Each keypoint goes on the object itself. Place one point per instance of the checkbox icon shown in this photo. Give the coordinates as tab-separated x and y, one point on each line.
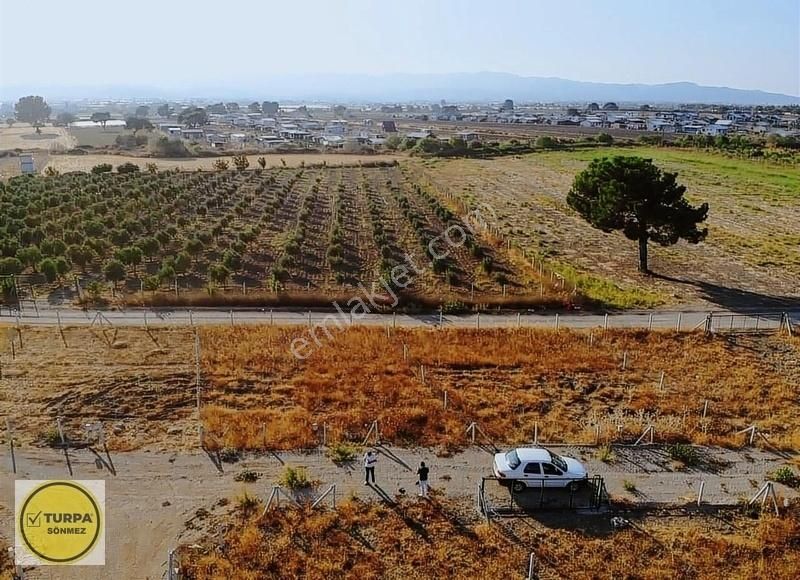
33	520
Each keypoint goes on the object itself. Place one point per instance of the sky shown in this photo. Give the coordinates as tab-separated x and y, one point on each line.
751	44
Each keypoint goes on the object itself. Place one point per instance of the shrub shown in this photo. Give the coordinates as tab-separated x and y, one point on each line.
785	475
341	453
295	478
247	503
605	454
629	486
684	453
128	168
248	476
102	168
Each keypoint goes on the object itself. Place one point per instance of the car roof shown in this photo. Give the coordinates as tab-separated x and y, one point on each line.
532	454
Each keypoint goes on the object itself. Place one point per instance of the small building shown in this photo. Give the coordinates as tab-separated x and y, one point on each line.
468	136
26	164
720	127
193	134
417	135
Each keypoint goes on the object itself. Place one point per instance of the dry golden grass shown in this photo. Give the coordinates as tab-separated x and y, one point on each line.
506	380
431	540
140	384
257	395
358	540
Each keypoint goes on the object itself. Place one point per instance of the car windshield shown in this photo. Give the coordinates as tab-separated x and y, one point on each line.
513	459
558	462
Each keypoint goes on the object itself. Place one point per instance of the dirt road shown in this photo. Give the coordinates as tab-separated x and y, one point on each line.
154	494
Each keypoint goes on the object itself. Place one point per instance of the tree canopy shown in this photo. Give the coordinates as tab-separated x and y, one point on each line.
634	196
193	116
101	117
137	124
32	109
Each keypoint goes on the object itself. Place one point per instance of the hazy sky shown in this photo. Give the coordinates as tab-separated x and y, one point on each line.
753	44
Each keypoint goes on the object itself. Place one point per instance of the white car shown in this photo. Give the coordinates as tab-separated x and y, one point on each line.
526	467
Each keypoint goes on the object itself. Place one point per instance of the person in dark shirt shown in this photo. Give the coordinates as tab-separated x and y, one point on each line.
422	474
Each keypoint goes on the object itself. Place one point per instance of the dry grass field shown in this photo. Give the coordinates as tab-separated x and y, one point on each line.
752	252
442	539
257	395
505	380
23	136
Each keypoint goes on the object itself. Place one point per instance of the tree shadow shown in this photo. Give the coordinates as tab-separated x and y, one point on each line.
736	299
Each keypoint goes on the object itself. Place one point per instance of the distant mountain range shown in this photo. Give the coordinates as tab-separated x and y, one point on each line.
457	87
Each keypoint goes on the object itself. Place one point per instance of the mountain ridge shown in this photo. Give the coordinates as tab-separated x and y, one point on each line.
403	87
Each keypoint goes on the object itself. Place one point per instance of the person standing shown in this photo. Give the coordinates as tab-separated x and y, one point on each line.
370	459
422	474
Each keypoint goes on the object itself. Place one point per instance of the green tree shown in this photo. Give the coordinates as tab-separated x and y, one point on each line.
48	268
101	117
136	124
64	119
164	110
30	256
130	256
194	247
182	263
32	109
150	247
633	195
142	111
193	116
219	273
114	272
10	266
62	267
82	256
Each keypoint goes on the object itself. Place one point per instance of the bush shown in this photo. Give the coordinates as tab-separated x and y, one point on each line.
248	476
102	168
295	478
684	453
786	476
605	454
128	168
341	453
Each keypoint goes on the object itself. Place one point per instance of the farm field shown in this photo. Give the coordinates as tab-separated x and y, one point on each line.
97	136
570	386
751	255
66	163
330	230
23	136
445	539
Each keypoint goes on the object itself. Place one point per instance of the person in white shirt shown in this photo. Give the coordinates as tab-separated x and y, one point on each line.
370	459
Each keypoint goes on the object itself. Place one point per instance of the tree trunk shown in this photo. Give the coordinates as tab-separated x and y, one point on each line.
643	255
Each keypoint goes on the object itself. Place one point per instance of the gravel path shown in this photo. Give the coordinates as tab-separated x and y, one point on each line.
154	494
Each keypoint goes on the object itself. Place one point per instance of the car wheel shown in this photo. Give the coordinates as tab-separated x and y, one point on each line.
519	486
574	485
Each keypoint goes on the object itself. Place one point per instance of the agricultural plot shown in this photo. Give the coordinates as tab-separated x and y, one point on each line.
255	394
330	230
750	258
426	387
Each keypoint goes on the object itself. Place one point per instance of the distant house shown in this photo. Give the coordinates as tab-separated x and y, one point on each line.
389	127
26	164
468	136
418	135
295	134
270	141
193	134
720	127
